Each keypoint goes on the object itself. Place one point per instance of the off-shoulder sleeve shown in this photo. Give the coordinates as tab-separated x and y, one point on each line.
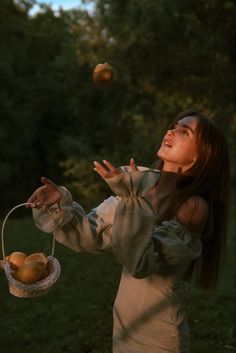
74	228
171	248
140	245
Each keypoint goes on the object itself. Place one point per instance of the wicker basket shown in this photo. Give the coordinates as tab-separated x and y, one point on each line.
38	288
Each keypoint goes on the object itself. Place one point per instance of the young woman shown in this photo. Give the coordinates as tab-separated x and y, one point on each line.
160	225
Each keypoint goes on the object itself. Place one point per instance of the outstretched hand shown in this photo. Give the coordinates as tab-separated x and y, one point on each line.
50	194
110	170
46	195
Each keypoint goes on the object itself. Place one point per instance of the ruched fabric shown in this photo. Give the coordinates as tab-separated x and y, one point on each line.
148	312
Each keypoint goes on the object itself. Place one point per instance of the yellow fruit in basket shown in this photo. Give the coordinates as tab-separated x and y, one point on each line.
37	257
29	273
44	274
16	259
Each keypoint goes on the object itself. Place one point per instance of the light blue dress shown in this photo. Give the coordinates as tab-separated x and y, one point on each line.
148	312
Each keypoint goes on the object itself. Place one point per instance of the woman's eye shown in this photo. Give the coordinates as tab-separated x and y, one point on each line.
185	132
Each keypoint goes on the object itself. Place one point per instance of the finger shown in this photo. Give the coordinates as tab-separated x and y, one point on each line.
47	181
44	180
30	204
100	169
38	204
133	165
113	170
110	166
97	170
32	199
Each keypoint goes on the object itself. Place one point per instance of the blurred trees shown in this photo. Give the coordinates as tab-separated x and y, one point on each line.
167	55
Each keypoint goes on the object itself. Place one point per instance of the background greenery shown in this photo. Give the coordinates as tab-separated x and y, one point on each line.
168	55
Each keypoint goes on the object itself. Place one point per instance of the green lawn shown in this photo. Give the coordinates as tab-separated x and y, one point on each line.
76	314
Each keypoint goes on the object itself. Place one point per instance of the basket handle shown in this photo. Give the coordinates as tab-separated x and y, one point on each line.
3	226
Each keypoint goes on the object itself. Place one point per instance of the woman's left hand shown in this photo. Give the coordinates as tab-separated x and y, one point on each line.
111	171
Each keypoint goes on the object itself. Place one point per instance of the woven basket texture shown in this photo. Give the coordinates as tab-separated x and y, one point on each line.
19	289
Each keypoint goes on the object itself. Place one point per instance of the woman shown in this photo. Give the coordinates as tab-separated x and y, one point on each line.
160	225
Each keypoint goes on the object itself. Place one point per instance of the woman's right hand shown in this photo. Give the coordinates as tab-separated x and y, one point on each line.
46	195
111	171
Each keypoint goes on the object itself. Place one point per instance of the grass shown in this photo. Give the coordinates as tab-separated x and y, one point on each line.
76	314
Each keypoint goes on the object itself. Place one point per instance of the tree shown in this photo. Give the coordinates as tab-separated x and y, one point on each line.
167	56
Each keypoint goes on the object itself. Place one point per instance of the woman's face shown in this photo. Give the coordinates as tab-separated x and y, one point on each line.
179	145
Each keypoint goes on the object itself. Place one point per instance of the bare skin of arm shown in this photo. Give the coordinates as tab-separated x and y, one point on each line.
193	214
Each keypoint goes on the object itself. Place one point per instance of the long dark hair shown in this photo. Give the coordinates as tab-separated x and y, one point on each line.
209	177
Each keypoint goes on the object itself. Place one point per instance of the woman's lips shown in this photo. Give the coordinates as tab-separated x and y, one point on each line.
166	142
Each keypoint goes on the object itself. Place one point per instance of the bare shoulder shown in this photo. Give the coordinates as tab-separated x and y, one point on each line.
196	203
193	213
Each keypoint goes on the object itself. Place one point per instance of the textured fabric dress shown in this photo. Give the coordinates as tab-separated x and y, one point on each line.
148	313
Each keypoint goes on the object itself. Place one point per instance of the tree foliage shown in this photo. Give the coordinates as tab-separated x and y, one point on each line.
167	55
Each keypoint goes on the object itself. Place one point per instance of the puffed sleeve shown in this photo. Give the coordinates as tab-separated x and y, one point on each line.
74	228
138	243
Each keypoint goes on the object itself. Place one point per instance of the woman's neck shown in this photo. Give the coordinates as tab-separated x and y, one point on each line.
167	183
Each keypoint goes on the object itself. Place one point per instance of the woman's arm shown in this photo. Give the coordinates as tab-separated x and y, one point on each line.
141	246
145	248
69	222
88	232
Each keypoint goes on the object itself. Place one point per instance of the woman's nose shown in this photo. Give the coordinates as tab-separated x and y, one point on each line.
170	132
